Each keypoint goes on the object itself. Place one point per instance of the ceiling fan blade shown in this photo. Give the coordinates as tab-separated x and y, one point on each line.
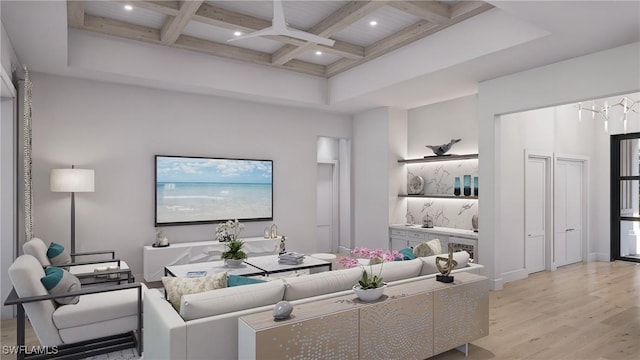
302	35
263	32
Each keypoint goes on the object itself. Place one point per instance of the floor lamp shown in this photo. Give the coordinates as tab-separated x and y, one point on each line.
72	180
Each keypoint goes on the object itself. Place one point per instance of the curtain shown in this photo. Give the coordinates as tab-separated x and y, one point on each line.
26	133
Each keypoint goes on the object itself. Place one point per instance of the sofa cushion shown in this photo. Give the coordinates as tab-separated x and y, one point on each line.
176	287
321	283
58	255
428	248
222	301
60	281
96	308
38	249
397	270
429	262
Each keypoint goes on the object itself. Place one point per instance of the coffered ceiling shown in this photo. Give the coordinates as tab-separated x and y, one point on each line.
207	26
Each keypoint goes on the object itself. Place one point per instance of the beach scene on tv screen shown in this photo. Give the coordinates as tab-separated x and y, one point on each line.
198	189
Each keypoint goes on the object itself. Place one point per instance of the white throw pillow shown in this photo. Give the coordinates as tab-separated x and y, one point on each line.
177	286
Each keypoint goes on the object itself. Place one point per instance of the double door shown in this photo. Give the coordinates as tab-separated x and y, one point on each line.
555	206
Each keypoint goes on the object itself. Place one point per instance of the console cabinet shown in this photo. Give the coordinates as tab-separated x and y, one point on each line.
414	320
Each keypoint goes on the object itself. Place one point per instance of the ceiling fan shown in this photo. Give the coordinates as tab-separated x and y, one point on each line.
279	27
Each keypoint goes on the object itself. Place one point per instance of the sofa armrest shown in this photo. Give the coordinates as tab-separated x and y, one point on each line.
165	333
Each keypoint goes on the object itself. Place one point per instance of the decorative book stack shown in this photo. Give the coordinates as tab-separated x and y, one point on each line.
291	258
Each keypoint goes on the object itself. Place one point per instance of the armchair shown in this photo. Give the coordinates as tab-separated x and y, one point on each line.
89	272
105	319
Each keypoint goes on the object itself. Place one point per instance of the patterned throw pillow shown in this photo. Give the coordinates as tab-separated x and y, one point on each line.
57	255
60	281
428	248
177	286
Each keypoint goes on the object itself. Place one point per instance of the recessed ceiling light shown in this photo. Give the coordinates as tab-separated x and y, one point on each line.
128	7
237	33
373	23
318	52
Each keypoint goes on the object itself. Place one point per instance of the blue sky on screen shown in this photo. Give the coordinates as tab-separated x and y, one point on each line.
177	169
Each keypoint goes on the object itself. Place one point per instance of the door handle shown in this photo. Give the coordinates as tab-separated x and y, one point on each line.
569	229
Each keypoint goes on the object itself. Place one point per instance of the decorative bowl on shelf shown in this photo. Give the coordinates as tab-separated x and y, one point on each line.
415	185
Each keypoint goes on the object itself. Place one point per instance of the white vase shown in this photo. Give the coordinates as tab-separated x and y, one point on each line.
369	294
233	262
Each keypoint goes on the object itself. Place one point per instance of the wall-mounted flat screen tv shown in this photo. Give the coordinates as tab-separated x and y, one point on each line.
200	190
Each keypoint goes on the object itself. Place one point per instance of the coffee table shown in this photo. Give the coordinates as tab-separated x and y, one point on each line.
212	267
269	264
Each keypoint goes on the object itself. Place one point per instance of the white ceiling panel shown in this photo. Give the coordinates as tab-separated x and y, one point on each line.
390	21
115	10
324	59
299	14
214	33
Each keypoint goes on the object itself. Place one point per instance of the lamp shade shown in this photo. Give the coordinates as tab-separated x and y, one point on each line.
72	180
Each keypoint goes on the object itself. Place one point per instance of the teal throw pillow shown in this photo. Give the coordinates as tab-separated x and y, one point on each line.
57	254
235	280
60	281
407	254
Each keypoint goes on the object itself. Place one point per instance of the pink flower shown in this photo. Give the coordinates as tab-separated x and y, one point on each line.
372	280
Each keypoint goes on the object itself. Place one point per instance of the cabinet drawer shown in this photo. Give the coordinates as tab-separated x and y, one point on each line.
417	235
398	233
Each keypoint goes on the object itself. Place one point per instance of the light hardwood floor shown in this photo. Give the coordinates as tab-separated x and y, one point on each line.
581	311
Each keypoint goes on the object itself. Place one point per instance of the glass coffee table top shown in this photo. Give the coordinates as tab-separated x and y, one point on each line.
270	265
211	267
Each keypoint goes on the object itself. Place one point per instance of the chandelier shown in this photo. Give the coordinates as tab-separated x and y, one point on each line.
604	111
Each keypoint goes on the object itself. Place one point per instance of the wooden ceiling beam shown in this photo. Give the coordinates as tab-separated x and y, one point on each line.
334	23
464	8
175	24
171	8
431	11
149	35
75	13
408	35
226	19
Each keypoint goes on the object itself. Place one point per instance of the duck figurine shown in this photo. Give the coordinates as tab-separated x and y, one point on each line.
440	150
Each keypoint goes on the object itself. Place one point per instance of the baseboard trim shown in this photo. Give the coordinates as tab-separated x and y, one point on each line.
514	275
603	257
496	284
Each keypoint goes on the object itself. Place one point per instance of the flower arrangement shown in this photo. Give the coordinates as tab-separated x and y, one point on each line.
229	230
378	256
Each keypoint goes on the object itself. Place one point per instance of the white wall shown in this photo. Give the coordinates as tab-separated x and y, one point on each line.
434	125
379	141
548	130
371	178
7	53
116	130
7	197
605	73
7	166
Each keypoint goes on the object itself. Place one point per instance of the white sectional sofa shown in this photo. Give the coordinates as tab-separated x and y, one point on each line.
207	325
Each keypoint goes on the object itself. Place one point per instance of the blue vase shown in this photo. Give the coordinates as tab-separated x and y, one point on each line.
475	186
456	187
467	185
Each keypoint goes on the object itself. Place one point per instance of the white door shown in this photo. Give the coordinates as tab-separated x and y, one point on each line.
324	230
568	212
535	214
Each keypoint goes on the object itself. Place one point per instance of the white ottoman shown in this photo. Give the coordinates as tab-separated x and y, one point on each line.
326	257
